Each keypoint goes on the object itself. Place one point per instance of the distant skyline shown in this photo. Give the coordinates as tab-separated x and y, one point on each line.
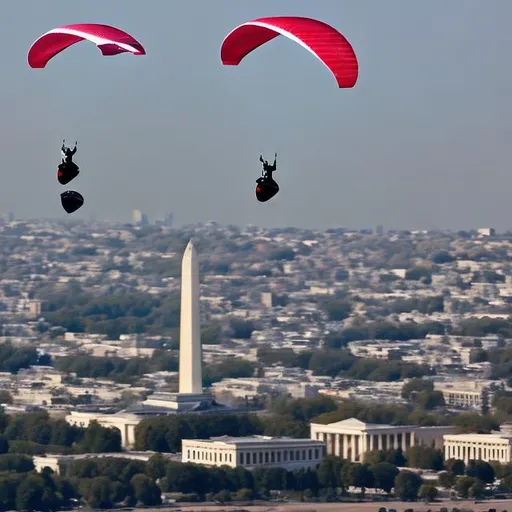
421	142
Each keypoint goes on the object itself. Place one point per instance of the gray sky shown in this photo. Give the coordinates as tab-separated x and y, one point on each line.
422	141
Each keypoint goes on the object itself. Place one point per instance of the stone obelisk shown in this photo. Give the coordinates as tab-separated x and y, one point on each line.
190	372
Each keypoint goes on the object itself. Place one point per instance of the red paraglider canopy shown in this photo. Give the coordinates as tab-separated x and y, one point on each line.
322	40
110	41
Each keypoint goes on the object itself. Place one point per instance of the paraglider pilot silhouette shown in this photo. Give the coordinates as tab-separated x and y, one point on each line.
267	187
67	153
67	169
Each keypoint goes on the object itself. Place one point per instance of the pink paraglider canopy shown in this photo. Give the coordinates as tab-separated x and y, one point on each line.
110	41
322	40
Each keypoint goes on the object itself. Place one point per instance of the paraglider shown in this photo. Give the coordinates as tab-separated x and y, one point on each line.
109	40
71	201
67	169
320	39
267	187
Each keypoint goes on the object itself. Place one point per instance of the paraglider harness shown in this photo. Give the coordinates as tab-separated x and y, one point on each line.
67	169
267	187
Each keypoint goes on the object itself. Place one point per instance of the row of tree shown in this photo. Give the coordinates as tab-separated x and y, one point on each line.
36	433
333	362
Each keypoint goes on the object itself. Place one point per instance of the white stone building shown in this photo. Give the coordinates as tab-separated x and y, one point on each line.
466	394
351	439
124	422
58	463
487	447
254	451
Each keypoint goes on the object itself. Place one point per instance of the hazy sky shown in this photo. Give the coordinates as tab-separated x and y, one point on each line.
422	141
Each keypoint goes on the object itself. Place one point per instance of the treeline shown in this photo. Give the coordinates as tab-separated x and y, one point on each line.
164	433
425	306
335	362
117	368
106	482
112	314
98	483
501	359
103	483
13	358
129	370
36	433
480	327
383	330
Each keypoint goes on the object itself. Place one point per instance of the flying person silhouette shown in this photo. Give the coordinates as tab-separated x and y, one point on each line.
67	169
267	187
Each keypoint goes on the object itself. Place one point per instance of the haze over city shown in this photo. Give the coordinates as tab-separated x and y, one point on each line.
420	142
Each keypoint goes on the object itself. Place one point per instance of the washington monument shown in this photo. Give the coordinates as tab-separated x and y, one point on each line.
190	374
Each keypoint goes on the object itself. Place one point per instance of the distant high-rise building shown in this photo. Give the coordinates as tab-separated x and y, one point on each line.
486	232
380	230
266	299
139	218
168	220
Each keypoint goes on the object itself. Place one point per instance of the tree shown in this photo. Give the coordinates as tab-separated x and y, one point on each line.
337	310
99	439
429	400
29	494
384	475
428	492
424	457
463	484
481	470
446	480
442	257
329	471
211	334
477	490
241	329
414	386
5	397
98	493
358	475
407	485
455	466
155	467
146	491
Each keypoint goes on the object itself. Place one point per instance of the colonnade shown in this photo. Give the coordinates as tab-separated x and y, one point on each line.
353	446
485	450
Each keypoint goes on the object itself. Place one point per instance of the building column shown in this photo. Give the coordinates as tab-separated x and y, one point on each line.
353	448
404	443
379	441
337	444
345	446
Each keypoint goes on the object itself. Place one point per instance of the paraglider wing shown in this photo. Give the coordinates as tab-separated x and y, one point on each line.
322	40
71	201
110	41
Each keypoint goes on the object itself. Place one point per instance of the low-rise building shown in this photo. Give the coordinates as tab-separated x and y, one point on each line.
254	451
496	446
351	439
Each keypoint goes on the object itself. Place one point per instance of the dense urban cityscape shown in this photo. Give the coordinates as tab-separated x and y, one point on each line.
337	365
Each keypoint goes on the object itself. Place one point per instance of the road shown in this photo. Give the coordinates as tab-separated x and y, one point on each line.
500	506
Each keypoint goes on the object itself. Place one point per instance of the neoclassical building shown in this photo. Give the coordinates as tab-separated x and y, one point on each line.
351	439
124	422
487	447
254	451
